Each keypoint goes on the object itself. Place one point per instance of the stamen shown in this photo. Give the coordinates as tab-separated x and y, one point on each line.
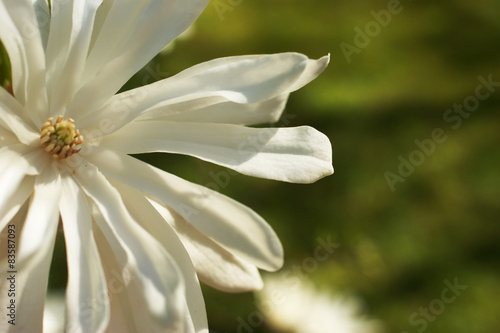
61	140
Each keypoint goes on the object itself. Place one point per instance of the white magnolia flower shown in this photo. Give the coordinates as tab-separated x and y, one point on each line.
294	305
65	136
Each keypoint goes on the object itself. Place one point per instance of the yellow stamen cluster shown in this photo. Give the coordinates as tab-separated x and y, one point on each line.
61	140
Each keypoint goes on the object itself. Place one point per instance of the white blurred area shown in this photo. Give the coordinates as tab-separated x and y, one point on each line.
291	304
53	315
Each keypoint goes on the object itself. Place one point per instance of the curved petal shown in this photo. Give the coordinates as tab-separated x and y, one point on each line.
129	308
86	281
215	266
216	111
156	272
234	226
68	44
313	69
14	118
220	112
296	155
242	79
120	50
142	210
16	113
11	206
15	165
35	245
20	34
6	137
54	313
42	10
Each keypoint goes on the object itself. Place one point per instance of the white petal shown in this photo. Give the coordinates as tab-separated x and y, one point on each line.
132	33
67	49
221	112
14	118
35	245
42	11
86	281
20	33
32	160
142	210
234	226
54	312
157	273
297	155
243	79
215	111
129	309
14	167
313	69
215	266
6	137
16	200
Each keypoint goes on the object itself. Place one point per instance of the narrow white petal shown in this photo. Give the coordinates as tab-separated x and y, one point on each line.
8	101
297	154
234	226
215	266
7	137
129	308
216	111
54	312
131	34
142	210
209	110
313	69
15	118
155	270
44	207
67	49
32	160
42	11
15	165
86	281
20	33
34	252
243	79
11	207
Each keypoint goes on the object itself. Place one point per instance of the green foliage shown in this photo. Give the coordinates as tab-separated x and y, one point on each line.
5	69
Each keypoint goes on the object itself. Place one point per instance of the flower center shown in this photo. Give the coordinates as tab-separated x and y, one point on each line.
61	140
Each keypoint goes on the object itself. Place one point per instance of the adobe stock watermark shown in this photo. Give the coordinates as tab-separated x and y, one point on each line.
153	75
453	116
372	29
224	6
297	272
420	319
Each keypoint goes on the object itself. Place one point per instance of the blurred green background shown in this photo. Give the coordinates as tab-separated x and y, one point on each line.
396	247
442	222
